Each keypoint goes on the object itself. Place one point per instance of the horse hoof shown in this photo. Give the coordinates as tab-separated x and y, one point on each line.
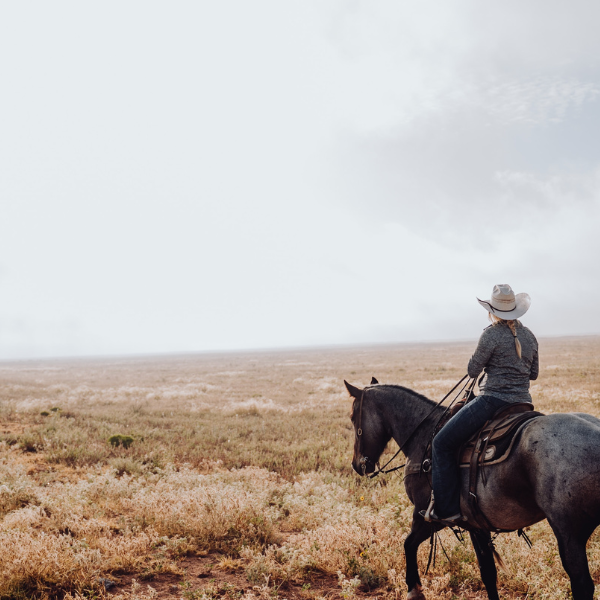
415	594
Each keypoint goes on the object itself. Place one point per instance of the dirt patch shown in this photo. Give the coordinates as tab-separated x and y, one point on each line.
217	576
42	471
9	427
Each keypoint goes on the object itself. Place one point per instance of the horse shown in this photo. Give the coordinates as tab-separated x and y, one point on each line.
553	473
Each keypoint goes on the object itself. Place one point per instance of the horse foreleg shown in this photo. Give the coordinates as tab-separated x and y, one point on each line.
572	541
482	542
419	532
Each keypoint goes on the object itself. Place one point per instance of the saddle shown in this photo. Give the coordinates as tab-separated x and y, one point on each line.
493	443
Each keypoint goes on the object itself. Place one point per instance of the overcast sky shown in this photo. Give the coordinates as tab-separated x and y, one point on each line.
189	176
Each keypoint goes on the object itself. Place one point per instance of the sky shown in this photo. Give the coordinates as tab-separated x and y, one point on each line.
197	176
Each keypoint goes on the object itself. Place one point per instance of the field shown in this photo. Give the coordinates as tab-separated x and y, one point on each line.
232	478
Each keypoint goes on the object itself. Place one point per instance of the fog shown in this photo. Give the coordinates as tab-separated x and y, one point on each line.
211	176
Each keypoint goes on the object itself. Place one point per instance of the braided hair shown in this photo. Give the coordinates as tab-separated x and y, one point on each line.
512	325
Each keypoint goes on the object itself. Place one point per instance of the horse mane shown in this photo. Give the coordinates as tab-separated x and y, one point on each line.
401	388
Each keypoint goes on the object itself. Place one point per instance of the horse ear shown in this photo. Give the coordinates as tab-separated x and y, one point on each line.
353	391
374	381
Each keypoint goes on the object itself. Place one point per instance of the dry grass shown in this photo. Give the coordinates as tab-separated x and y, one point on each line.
245	455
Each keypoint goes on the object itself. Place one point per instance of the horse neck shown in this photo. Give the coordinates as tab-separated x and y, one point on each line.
404	411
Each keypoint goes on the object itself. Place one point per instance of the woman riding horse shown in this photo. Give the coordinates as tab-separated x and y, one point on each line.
508	353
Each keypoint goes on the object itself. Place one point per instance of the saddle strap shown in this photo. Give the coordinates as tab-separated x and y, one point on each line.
481	456
476	512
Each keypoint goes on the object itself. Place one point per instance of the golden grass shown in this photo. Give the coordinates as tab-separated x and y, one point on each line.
244	454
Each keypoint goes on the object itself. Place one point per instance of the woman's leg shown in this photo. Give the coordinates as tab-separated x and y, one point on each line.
446	472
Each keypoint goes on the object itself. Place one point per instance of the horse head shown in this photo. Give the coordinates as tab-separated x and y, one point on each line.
370	433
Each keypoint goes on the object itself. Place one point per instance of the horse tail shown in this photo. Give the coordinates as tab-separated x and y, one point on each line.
499	560
480	541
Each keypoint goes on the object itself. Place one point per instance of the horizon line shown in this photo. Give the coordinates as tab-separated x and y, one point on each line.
259	350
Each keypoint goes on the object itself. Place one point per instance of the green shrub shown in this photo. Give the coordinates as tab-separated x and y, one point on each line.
45	413
120	440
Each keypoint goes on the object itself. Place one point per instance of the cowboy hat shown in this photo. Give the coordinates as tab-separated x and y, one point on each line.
504	304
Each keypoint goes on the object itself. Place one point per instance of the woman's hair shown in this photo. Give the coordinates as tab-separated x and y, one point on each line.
512	326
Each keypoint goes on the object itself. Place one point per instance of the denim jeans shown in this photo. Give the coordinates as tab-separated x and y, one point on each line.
446	472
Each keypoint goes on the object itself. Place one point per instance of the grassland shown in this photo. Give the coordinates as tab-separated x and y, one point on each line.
238	471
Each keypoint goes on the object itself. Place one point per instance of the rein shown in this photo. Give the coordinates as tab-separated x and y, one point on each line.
364	459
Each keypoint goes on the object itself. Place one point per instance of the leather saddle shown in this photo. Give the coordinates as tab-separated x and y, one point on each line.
493	443
490	445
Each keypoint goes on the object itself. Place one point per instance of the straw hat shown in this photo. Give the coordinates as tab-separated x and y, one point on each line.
504	304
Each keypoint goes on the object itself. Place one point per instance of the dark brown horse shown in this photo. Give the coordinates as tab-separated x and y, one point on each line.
553	473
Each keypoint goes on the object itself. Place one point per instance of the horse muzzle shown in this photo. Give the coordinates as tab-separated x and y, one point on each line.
364	466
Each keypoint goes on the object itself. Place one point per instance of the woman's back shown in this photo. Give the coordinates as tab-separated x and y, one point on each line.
507	375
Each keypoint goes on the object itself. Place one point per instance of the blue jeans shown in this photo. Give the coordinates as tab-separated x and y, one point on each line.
446	472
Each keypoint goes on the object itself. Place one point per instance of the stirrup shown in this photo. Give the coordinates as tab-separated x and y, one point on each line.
427	513
454	521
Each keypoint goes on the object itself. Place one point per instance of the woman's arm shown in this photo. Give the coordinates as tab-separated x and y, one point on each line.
535	366
482	354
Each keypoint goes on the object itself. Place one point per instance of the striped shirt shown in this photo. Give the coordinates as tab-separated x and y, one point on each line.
506	375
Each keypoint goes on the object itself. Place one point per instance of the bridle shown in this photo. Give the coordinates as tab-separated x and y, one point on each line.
365	459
